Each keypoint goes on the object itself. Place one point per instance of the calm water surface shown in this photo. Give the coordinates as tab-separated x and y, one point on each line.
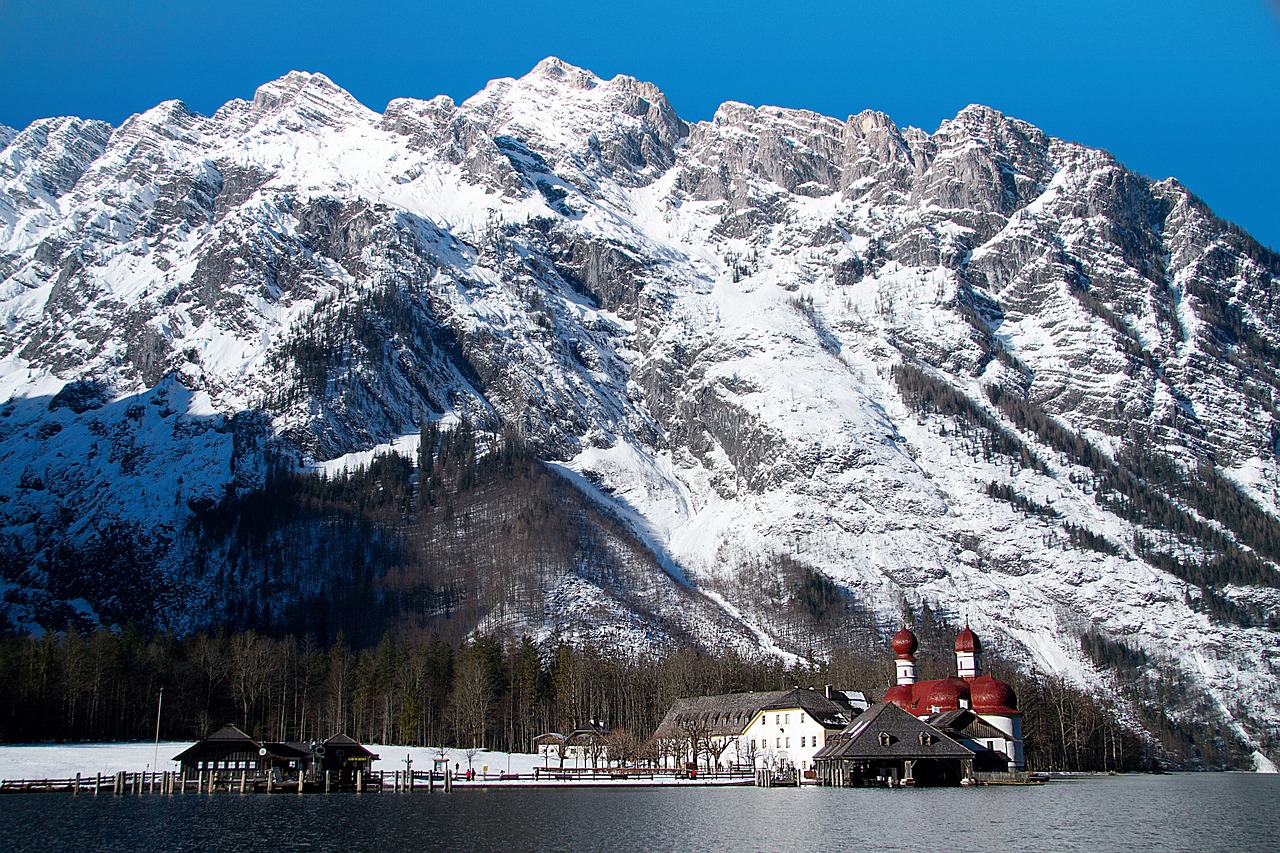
1200	812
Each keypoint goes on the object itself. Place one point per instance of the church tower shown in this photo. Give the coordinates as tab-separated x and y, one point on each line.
904	646
968	655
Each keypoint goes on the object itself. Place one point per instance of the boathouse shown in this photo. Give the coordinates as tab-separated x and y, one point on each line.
888	746
342	757
228	749
229	753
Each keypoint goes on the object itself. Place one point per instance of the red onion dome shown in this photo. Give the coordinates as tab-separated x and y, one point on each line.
900	695
905	643
993	696
968	641
946	694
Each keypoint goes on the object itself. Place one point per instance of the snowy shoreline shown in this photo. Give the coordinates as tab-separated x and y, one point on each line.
65	760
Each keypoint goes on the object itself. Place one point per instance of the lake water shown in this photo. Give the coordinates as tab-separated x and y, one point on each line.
1200	812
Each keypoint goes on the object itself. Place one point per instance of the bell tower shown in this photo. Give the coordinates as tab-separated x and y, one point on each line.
968	655
904	646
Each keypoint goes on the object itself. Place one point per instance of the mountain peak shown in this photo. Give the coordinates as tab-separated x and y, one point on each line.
553	68
311	88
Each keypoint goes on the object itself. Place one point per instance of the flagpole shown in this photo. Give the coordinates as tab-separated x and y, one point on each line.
155	761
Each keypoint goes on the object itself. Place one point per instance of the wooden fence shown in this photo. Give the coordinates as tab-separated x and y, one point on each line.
398	781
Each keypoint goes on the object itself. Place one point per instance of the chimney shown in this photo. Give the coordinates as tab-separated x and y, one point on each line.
828	691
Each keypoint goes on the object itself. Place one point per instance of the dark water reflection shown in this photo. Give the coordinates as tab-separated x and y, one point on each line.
1198	812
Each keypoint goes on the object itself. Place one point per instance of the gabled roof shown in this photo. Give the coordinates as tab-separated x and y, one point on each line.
550	738
588	733
227	737
349	746
729	714
229	732
888	732
965	723
826	712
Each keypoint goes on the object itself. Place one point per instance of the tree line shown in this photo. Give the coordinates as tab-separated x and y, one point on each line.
490	692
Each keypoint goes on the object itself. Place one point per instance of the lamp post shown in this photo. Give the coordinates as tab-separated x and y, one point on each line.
155	759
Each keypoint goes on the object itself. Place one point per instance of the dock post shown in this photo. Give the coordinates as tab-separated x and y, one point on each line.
243	773
431	782
448	780
359	781
300	777
271	786
328	781
97	783
76	790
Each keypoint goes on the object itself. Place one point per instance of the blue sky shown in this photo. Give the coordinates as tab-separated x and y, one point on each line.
1181	87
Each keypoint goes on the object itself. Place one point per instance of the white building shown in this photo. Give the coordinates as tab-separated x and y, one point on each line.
774	729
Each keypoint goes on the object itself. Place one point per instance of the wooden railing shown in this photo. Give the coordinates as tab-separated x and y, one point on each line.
400	781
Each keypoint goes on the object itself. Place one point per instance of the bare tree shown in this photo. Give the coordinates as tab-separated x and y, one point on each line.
253	670
696	731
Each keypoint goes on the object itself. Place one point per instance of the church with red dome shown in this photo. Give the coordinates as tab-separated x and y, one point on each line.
996	722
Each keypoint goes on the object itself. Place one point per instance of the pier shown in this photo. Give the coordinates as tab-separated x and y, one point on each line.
174	783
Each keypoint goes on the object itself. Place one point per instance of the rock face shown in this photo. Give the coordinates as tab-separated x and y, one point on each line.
982	368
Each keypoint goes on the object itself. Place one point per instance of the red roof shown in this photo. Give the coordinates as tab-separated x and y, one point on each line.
921	697
945	695
900	695
905	643
968	641
993	696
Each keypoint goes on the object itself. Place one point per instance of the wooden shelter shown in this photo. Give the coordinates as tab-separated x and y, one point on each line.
228	750
342	757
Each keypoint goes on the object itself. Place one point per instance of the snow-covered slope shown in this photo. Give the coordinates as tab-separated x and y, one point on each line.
771	335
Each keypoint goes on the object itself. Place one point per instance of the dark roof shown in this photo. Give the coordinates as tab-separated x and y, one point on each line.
288	750
587	733
888	732
965	723
227	737
728	714
351	747
229	732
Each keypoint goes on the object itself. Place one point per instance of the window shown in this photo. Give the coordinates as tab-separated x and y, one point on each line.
788	743
777	719
753	743
779	743
787	719
802	741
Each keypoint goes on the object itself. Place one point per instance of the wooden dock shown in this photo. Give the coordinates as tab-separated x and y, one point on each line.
374	781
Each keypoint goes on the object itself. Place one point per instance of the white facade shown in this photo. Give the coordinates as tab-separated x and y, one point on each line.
780	738
1011	728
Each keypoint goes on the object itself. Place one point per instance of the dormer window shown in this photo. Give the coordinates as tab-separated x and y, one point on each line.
885	739
926	739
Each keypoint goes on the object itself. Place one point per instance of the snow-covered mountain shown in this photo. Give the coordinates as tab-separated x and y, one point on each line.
979	368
